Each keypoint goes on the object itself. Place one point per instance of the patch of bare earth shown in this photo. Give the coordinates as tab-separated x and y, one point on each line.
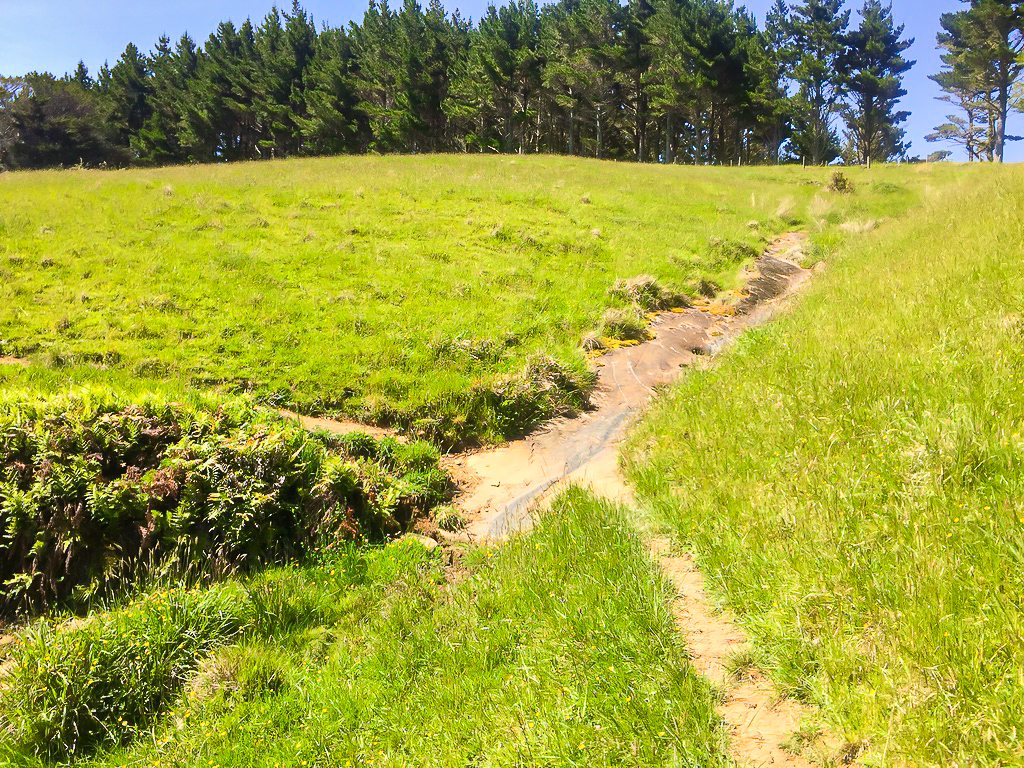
336	427
7	644
504	487
14	361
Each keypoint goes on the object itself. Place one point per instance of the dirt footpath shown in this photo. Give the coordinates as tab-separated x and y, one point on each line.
501	487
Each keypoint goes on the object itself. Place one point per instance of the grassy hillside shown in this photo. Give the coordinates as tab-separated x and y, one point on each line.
432	292
851	479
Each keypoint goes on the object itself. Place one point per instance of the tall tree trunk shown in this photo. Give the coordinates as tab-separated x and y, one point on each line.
668	137
1004	99
572	131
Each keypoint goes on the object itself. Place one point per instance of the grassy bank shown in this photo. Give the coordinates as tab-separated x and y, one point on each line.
558	649
448	295
850	479
98	491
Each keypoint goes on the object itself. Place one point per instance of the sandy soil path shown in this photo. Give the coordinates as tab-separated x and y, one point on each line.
503	486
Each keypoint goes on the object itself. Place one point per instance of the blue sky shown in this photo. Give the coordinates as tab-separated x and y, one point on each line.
52	35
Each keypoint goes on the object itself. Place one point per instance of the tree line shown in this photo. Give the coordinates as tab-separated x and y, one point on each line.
687	81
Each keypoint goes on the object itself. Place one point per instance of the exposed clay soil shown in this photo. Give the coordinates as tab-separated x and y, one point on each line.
501	487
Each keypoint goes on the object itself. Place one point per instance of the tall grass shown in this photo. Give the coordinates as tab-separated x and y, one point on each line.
558	649
850	479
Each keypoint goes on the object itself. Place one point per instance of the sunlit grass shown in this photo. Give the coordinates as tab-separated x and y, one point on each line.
557	649
850	479
401	289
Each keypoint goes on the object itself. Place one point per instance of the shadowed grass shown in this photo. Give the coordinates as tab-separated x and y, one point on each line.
850	480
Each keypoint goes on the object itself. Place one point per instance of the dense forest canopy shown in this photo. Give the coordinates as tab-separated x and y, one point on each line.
688	81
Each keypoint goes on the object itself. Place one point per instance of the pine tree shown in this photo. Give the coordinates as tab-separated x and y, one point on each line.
875	85
967	89
163	137
636	63
81	76
378	77
821	67
984	46
770	58
507	53
128	91
333	124
673	79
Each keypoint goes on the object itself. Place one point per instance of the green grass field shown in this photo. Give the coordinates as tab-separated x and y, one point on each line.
406	290
851	480
557	649
849	477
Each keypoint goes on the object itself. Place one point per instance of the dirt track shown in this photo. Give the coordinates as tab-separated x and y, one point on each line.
501	487
504	486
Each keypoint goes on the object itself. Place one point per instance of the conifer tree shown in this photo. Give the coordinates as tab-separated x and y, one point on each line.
984	46
770	58
128	91
163	137
81	76
876	71
378	77
820	70
333	124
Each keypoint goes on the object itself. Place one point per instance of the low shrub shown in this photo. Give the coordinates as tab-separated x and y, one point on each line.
839	183
96	492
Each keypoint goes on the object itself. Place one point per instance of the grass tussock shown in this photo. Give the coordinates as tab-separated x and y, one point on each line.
72	688
625	324
647	293
850	480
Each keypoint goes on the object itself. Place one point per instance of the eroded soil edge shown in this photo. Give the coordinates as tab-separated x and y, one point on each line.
502	487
